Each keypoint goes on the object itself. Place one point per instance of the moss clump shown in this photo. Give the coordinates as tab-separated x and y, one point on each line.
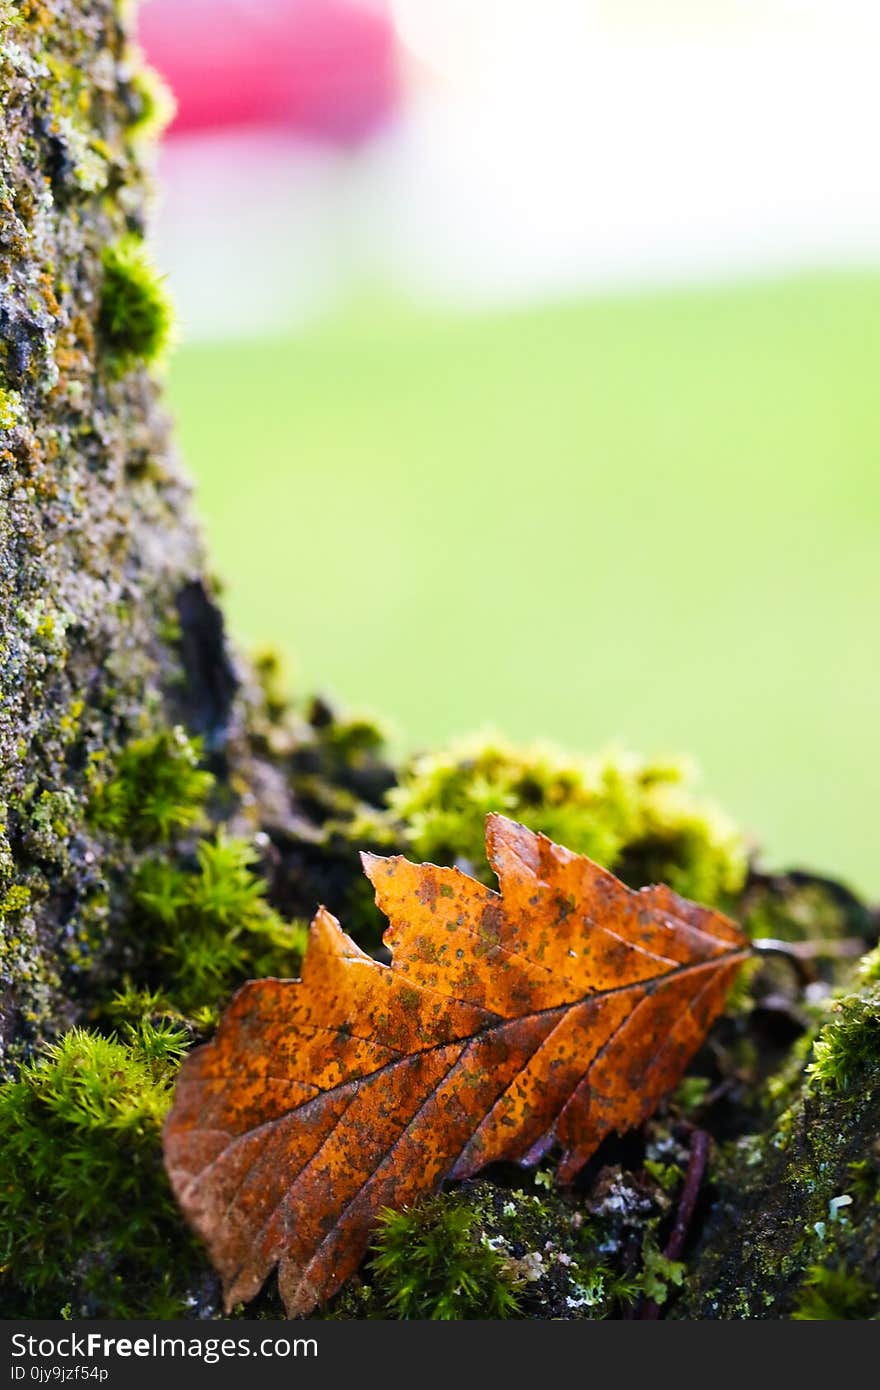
833	1294
801	1195
156	790
197	922
339	770
96	537
15	899
86	1215
869	967
338	775
488	1250
659	1275
431	1262
136	316
638	818
268	667
800	906
206	927
154	106
849	1044
10	409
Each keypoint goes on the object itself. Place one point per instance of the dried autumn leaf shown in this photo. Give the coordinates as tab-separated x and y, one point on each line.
557	1011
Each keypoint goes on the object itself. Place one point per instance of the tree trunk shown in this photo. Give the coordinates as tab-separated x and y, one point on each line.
100	559
109	632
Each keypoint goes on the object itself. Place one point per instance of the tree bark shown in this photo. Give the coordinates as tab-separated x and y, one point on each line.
108	625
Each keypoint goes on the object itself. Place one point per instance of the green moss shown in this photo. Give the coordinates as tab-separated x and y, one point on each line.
869	967
848	1045
154	104
268	666
345	754
668	1175
135	319
86	1215
338	776
802	907
353	742
52	818
487	1249
96	540
15	899
640	819
89	167
430	1262
10	409
833	1294
204	929
802	1194
690	1094
136	1005
156	790
659	1275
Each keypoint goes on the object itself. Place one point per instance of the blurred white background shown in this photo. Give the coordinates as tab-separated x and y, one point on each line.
535	148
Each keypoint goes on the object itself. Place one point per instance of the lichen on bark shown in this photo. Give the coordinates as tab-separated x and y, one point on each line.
96	541
797	1203
109	632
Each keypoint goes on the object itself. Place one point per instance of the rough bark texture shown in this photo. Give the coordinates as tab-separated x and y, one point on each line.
108	628
97	548
110	640
778	1236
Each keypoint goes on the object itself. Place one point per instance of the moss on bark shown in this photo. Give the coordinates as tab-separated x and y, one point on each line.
794	1229
96	541
110	638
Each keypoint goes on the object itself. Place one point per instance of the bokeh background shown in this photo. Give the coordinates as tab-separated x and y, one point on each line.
529	372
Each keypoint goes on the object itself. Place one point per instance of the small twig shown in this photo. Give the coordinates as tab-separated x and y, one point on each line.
717	1093
839	948
693	1181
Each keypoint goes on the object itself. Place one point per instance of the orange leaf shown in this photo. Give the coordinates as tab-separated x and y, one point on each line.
554	1012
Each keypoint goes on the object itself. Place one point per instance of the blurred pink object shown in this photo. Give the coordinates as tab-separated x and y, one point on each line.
322	68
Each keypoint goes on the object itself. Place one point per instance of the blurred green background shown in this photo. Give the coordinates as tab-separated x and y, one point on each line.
649	520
